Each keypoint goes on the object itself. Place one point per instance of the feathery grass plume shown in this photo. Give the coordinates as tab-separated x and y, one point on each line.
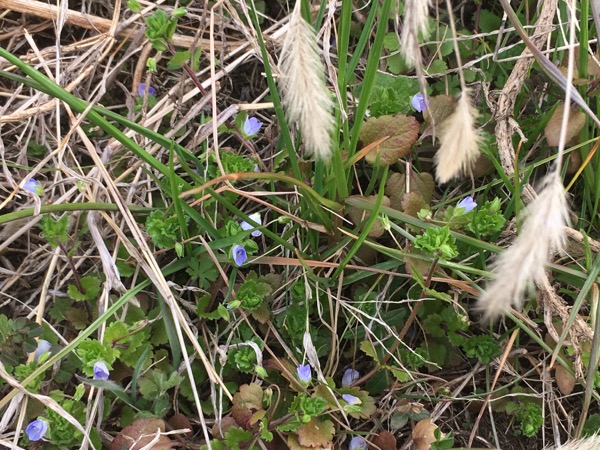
416	15
543	233
305	96
460	141
588	443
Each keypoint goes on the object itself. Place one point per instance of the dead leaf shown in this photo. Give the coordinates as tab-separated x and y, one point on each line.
564	380
384	441
440	107
402	130
143	432
246	402
552	131
316	433
423	434
360	216
181	422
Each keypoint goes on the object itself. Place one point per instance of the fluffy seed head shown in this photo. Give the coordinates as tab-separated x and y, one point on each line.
460	141
543	234
305	96
588	443
416	13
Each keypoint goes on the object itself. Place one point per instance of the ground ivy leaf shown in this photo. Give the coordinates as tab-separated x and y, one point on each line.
246	402
402	130
316	433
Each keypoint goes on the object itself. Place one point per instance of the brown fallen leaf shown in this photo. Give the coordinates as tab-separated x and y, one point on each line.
143	432
384	441
423	434
564	380
552	130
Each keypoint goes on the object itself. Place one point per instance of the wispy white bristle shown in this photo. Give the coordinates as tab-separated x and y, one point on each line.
460	141
542	235
416	15
588	443
305	96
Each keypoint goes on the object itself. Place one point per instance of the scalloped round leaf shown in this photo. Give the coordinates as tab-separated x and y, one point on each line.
316	433
422	183
359	216
246	402
412	203
440	107
552	131
367	403
402	130
423	434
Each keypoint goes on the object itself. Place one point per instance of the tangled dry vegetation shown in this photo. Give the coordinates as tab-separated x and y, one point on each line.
139	253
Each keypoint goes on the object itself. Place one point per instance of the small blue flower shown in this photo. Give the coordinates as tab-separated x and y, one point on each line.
349	377
101	371
239	254
43	347
304	373
142	90
34	187
357	443
252	126
256	168
246	226
351	399
419	102
467	203
36	429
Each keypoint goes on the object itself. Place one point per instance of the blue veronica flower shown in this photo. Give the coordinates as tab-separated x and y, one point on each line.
467	203
142	90
36	429
351	399
349	377
246	226
43	347
239	255
304	373
252	126
357	443
101	371
34	187
419	102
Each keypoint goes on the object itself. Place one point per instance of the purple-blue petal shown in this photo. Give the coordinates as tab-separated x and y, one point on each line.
304	373
239	255
252	126
419	102
36	429
101	371
357	443
467	203
142	90
349	377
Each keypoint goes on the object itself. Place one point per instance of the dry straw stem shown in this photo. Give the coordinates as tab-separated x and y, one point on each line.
460	141
543	234
416	15
305	96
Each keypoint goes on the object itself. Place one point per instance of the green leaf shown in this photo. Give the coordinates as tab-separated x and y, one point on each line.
134	6
91	289
178	60
53	230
